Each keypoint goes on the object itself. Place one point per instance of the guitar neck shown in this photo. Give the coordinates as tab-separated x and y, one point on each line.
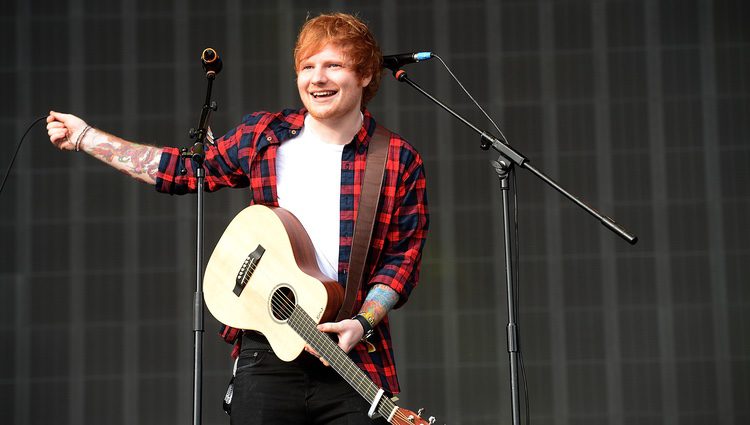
306	327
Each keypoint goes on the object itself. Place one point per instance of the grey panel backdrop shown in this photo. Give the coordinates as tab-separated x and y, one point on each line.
639	106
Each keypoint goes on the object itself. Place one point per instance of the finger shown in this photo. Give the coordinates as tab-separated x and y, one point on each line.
315	353
311	351
59	116
329	327
57	130
55	124
60	142
57	135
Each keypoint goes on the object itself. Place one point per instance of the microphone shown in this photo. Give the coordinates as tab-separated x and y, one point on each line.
394	62
211	61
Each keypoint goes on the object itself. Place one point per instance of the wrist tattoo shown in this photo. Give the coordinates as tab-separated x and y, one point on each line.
379	301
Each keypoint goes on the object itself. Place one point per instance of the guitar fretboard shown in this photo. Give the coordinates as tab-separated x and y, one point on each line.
305	326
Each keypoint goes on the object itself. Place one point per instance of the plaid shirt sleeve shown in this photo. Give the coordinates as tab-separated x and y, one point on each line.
226	164
408	222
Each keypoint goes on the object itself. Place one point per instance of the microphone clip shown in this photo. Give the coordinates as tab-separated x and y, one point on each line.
212	65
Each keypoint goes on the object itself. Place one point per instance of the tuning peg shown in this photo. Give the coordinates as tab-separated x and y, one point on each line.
410	419
431	420
419	412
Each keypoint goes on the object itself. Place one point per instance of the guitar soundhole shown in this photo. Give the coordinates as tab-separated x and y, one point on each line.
282	303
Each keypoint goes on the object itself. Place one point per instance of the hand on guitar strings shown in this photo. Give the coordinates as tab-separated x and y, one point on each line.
348	331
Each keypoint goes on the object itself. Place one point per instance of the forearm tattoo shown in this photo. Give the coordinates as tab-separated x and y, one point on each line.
379	301
138	161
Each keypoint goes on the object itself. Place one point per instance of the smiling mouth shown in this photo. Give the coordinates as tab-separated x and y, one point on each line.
323	94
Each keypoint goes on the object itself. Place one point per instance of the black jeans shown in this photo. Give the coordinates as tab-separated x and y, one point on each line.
268	390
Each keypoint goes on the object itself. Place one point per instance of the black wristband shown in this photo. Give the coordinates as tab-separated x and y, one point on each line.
366	326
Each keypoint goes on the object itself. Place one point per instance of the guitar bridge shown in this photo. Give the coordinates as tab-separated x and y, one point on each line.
247	269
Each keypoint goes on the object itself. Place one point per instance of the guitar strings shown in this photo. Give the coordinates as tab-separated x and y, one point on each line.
287	307
331	351
283	302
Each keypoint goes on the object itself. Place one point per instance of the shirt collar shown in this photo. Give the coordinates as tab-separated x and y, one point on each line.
296	120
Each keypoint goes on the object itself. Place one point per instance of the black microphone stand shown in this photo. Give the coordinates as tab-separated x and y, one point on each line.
196	153
504	167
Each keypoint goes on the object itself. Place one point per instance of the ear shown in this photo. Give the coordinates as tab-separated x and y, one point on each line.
365	80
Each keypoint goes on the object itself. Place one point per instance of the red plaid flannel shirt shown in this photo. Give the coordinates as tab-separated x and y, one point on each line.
245	157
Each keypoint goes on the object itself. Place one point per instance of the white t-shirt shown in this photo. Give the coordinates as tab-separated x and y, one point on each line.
308	184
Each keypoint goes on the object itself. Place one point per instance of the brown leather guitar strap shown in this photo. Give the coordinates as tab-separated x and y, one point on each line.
372	182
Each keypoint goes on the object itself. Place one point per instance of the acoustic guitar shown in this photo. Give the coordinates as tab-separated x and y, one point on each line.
263	276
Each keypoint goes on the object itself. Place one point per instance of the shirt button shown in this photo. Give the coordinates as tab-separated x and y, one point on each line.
268	138
294	131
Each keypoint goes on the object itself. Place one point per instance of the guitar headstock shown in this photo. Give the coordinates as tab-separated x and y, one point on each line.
407	417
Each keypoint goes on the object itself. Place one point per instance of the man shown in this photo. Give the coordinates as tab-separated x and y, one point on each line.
310	162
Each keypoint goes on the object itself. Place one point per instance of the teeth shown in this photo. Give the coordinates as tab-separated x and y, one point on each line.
323	93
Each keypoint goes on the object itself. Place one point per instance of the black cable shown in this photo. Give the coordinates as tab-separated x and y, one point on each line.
18	148
517	269
516	242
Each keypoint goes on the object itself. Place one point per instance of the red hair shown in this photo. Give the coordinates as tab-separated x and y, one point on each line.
351	35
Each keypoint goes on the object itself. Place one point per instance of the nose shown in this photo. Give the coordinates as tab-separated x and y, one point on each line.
319	75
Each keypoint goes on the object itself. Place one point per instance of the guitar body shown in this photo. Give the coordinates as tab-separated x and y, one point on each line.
263	276
286	267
